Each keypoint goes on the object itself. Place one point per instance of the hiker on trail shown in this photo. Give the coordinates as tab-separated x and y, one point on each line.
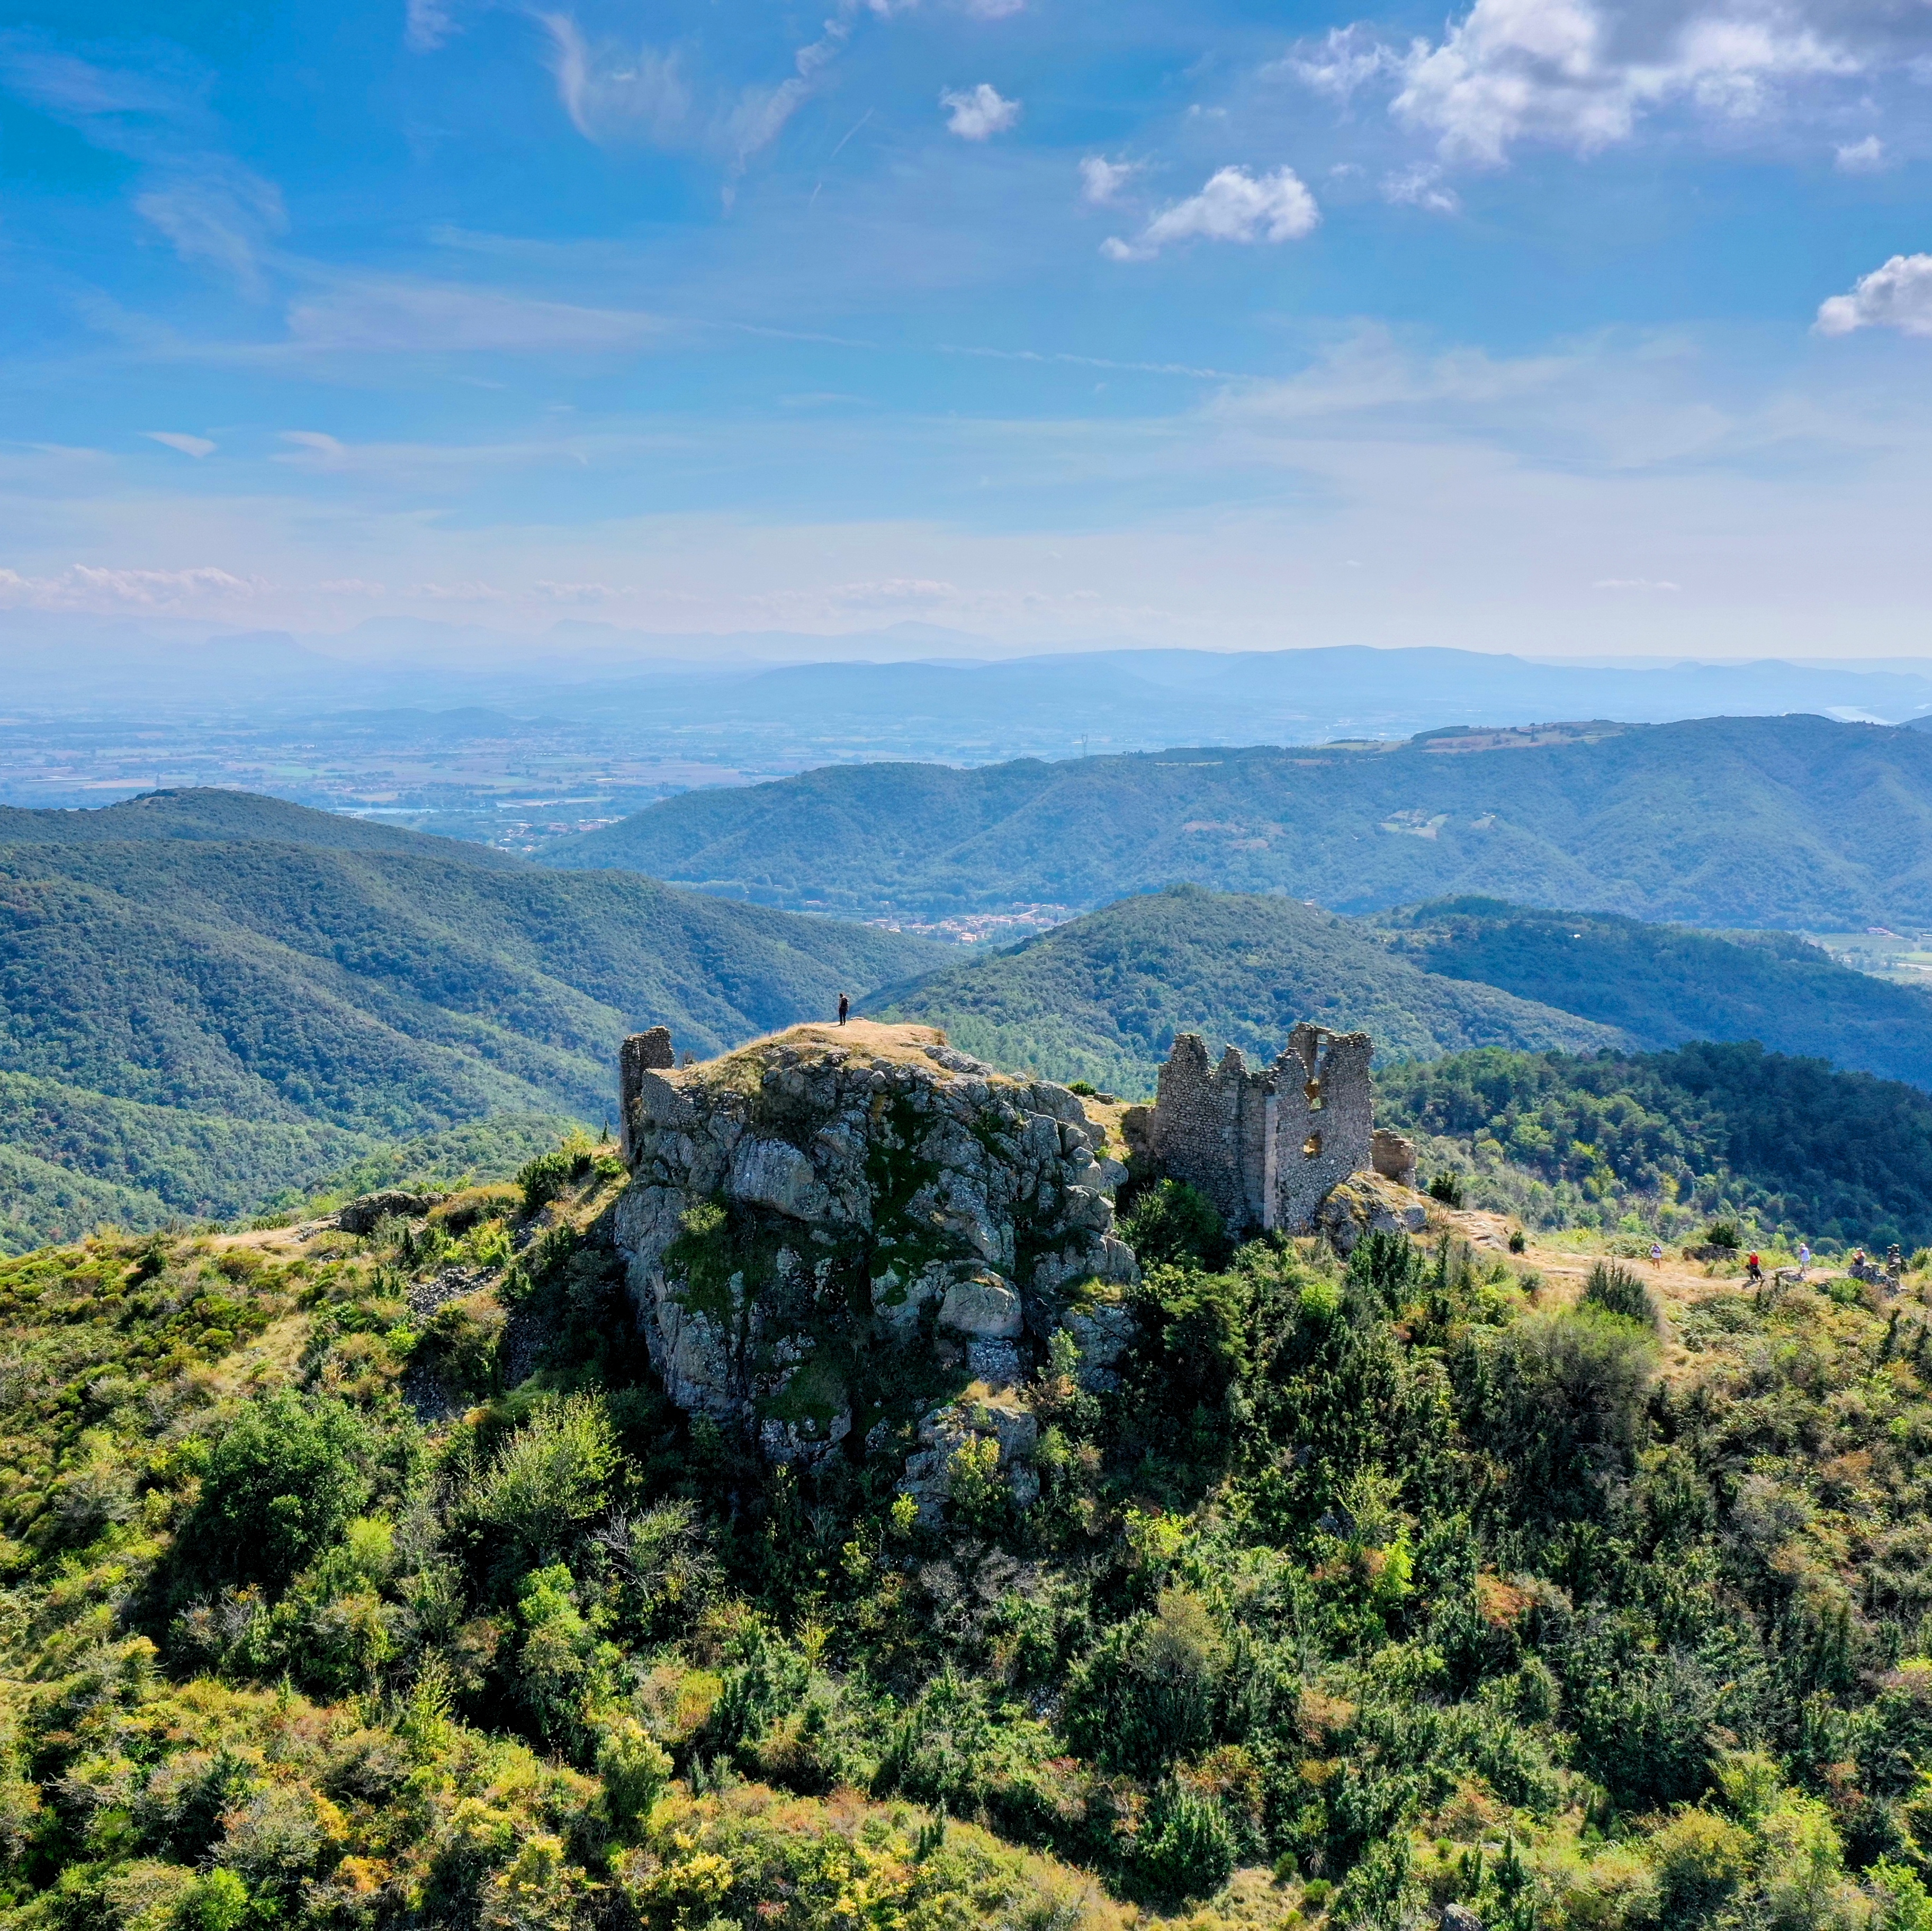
1754	1270
1803	1259
844	1007
1656	1253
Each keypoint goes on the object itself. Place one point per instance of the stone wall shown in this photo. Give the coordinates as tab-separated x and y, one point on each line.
1265	1145
641	1053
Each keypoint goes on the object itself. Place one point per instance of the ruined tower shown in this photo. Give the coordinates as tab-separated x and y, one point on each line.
1266	1147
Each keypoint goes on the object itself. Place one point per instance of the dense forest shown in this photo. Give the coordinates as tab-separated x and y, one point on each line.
1661	985
1369	1589
1657	1141
1101	998
207	999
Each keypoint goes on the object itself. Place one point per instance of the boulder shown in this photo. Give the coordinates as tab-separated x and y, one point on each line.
1368	1203
985	1305
361	1215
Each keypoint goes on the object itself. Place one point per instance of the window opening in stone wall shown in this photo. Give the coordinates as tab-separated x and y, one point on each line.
1311	1148
1312	1092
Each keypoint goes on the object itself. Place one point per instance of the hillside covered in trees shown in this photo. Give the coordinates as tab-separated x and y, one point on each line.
374	1582
238	995
1661	985
1101	998
1668	1139
1794	822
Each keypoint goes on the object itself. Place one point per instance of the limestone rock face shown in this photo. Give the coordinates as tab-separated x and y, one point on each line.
833	1238
1368	1202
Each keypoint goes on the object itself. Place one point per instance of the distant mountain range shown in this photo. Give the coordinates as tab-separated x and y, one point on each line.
206	998
1796	823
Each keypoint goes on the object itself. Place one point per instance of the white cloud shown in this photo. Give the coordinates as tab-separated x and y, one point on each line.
311	449
1235	206
978	113
1579	75
84	586
1582	74
1898	295
1421	187
469	592
427	24
581	593
188	445
1101	179
994	10
1635	583
1865	157
893	590
352	586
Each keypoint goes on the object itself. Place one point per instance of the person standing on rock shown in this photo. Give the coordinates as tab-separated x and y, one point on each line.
844	1007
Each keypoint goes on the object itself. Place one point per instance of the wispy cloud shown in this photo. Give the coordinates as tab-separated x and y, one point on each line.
614	93
427	24
1234	206
978	113
188	445
1421	186
86	587
213	209
393	317
222	214
1865	157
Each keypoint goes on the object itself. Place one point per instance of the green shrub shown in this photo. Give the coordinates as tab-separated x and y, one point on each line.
1186	1848
1173	1222
1618	1290
1446	1186
544	1179
282	1479
1568	1399
1724	1234
550	1478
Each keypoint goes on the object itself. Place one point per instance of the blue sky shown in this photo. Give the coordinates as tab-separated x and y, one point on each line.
1550	325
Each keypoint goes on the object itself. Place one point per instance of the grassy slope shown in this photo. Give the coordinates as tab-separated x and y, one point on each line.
1102	997
1664	986
203	1021
1791	822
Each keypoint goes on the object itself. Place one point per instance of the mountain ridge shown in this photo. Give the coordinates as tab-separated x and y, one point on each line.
1794	821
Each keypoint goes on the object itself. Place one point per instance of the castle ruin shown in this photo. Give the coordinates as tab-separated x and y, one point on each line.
640	1053
1266	1147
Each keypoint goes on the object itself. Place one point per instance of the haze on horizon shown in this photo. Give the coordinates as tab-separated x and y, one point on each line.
1555	327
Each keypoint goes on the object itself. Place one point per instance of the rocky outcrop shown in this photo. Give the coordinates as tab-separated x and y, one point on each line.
360	1215
1368	1203
856	1240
